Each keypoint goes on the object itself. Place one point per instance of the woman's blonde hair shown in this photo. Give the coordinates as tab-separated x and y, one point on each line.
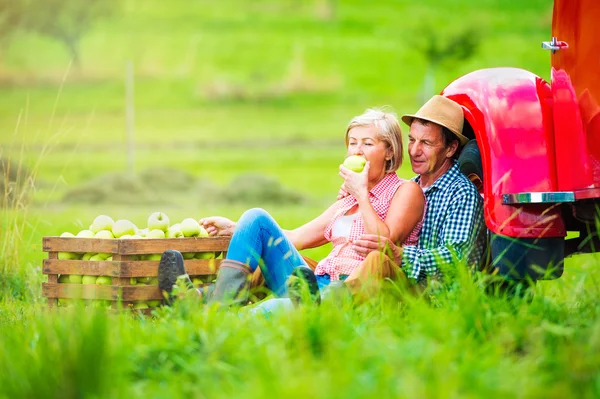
389	132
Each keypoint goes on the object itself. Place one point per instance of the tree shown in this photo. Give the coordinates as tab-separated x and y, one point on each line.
441	48
65	20
11	19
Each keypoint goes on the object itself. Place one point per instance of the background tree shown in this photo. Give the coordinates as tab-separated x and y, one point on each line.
11	19
441	49
64	20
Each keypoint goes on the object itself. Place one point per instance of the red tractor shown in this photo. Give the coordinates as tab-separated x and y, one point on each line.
535	149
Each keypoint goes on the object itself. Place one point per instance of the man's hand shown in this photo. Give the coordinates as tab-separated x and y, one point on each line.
218	226
372	242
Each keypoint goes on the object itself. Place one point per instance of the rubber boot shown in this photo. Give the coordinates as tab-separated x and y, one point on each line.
171	270
232	285
302	286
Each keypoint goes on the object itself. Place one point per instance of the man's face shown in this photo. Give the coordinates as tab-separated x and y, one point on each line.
426	149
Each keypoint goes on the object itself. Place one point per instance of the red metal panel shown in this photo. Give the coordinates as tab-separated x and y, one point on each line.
572	159
510	111
576	23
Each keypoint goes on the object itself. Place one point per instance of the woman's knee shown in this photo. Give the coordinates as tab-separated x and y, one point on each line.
254	216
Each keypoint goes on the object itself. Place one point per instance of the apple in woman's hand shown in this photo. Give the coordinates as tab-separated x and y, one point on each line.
355	163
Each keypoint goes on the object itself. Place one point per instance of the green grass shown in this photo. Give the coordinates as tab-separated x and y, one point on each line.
227	88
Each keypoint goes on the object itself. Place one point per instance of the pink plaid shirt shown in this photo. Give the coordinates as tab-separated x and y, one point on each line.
342	259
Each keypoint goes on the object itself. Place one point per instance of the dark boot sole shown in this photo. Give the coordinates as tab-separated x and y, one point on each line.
170	267
303	275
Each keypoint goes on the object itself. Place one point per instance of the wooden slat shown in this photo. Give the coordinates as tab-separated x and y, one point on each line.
52	279
149	268
83	267
141	293
156	246
107	292
78	244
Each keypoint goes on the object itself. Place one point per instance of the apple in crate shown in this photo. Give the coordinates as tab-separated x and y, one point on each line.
155	233
104	234
104	280
102	222
159	221
122	227
89	279
85	234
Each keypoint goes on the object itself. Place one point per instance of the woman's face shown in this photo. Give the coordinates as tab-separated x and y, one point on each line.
364	141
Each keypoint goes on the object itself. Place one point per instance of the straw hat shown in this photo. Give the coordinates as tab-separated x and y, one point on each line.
444	112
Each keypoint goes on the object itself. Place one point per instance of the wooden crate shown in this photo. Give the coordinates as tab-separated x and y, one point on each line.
122	267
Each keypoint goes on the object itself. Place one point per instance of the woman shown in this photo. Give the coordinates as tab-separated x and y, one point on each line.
377	202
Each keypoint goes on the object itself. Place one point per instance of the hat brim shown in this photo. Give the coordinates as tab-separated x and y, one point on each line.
408	119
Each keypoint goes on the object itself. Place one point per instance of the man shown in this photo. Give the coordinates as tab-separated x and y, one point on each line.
453	222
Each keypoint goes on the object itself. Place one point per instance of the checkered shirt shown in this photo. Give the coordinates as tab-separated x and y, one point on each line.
342	259
452	229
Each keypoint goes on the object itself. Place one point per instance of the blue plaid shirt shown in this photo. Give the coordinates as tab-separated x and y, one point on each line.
452	229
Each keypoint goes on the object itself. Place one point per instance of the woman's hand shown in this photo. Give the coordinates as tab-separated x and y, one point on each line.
218	226
355	184
373	242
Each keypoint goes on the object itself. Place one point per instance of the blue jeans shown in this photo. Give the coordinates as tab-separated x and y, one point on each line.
259	242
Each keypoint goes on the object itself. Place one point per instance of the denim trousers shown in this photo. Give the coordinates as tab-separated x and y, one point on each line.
258	241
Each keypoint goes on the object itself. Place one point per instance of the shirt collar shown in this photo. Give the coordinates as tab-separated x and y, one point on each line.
444	180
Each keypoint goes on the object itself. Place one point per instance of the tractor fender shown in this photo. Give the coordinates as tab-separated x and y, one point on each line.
510	111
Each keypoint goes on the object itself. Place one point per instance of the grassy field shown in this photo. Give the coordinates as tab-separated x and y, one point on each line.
260	93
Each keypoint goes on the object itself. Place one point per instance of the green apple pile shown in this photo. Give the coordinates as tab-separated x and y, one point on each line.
158	226
104	227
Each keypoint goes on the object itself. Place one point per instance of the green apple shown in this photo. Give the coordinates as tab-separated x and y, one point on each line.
204	255
104	280
104	234
355	163
102	304
140	305
65	302
197	282
132	281
153	281
96	258
68	256
67	234
144	280
85	234
188	255
142	232
75	279
89	279
63	279
203	232
155	233
122	227
190	227
158	220
174	231
87	255
153	257
154	304
102	222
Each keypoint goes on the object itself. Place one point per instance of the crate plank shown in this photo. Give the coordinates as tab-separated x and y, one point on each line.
78	244
149	268
159	245
82	291
141	293
83	267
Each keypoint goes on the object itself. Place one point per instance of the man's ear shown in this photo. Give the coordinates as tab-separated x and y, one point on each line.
452	148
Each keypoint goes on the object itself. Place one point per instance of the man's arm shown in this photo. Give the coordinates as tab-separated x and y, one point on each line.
457	238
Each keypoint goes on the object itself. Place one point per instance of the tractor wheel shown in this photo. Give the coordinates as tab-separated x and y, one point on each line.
470	164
